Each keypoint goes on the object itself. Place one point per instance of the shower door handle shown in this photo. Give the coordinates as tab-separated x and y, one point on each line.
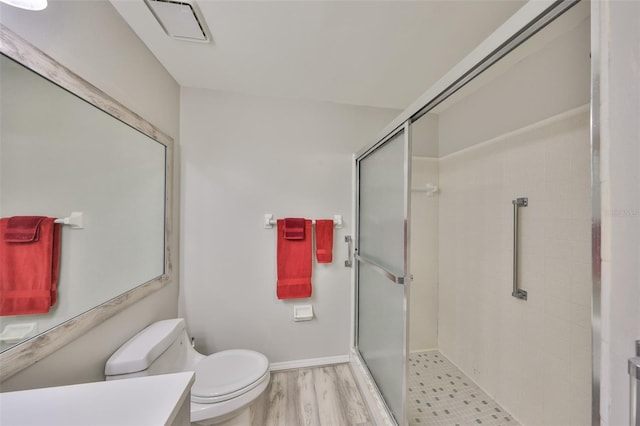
383	271
634	388
517	292
349	261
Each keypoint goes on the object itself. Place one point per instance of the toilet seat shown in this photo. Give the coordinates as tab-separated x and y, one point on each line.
227	374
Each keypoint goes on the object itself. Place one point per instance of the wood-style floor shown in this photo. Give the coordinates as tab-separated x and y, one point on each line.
320	396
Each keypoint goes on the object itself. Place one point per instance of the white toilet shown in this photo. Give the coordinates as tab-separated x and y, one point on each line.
226	383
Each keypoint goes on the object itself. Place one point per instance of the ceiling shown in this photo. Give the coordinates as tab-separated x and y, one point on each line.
374	53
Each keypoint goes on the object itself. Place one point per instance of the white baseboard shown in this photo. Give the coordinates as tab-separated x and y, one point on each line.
311	362
415	351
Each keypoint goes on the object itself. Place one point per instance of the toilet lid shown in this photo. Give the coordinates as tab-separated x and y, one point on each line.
222	374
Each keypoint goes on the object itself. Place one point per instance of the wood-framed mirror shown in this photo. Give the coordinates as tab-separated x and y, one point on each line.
67	146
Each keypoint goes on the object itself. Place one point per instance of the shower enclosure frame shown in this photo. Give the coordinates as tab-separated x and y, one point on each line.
405	279
531	18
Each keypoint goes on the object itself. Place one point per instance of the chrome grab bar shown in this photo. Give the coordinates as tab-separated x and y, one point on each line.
634	387
517	292
349	261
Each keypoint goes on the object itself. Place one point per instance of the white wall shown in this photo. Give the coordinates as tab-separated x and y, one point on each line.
620	175
557	79
245	156
423	309
533	357
92	40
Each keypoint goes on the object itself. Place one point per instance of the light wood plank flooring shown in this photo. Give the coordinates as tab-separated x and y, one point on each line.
320	396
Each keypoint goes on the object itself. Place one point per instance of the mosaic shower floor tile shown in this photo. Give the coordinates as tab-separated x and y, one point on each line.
440	394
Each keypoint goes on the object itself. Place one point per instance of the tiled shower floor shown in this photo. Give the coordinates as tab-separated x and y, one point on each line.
440	394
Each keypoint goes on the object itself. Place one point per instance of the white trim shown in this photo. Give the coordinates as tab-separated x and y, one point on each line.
421	158
583	109
415	351
310	362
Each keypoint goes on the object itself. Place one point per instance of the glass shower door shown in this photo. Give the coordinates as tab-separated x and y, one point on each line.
383	182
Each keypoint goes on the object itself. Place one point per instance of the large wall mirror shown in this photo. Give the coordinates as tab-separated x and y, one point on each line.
67	147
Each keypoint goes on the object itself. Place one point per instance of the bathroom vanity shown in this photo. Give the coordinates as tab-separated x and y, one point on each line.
153	400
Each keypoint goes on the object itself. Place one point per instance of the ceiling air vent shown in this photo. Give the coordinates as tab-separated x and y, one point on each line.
180	19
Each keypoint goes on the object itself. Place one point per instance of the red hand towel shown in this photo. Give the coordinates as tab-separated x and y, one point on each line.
29	270
324	241
23	229
294	264
294	228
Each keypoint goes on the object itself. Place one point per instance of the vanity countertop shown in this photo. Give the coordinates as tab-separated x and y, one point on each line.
152	400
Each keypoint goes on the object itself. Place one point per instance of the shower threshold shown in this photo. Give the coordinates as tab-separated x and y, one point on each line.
440	394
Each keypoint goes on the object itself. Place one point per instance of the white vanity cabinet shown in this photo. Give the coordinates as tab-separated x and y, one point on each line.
153	400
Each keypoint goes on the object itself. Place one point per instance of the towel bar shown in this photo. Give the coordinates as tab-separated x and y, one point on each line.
269	221
74	220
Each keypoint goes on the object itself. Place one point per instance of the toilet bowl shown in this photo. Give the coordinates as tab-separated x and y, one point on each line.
226	382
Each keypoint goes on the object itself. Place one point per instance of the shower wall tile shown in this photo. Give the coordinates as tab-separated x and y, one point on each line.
580	361
580	251
557	161
423	309
580	314
559	309
581	288
532	356
581	207
557	279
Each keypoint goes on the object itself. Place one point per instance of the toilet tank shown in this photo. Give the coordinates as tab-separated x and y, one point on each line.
161	348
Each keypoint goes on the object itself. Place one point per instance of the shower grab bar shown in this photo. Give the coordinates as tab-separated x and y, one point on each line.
381	269
517	292
634	388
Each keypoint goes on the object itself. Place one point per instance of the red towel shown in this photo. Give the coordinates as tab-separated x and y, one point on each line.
294	228
324	241
294	263
23	229
28	269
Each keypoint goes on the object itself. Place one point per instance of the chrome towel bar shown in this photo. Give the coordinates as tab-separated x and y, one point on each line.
517	292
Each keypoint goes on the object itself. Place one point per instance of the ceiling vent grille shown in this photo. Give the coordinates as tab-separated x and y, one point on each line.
180	19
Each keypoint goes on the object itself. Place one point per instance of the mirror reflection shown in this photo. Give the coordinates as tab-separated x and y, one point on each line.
60	154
